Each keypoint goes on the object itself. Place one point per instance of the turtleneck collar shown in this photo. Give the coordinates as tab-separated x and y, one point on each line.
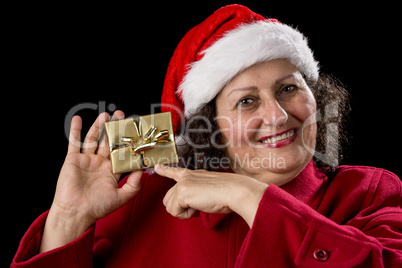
306	184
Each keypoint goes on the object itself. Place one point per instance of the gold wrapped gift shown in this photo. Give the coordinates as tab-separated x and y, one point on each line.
141	142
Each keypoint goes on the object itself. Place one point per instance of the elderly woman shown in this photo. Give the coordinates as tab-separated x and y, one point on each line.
258	184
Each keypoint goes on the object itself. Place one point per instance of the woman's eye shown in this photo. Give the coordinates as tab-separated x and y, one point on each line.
289	88
245	102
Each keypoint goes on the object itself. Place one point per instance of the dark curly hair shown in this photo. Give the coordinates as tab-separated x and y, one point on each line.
333	106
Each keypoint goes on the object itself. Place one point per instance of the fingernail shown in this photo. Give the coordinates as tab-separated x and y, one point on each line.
157	167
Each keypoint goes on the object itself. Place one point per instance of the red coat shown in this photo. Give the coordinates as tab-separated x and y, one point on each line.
351	218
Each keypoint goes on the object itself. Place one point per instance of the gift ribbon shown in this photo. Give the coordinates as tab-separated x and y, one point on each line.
145	142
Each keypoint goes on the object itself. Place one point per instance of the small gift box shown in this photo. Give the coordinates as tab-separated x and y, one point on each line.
141	142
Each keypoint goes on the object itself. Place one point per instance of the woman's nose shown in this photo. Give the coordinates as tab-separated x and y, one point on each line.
273	114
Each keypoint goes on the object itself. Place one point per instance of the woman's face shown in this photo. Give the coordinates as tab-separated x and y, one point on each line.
261	114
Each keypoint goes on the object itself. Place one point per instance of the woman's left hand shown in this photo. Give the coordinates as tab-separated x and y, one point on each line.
211	192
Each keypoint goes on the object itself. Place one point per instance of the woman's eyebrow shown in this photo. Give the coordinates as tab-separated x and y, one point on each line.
255	88
242	89
283	78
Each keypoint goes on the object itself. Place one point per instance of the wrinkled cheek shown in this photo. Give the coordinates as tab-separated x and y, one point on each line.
309	137
226	129
237	132
309	127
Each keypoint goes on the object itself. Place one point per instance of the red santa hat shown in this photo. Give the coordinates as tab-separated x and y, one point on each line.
226	43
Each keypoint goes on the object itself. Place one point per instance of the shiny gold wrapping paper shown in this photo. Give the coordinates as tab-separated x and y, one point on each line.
151	150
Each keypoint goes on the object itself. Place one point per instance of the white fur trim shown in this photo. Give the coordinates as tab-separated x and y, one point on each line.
239	49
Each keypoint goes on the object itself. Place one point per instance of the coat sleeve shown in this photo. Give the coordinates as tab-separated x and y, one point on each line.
287	233
77	253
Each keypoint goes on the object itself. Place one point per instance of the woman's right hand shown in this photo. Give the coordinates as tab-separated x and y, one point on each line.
86	189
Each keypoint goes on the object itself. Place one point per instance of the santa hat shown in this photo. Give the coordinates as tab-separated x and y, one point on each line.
226	43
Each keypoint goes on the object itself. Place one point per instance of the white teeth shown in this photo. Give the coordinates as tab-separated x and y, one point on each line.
284	136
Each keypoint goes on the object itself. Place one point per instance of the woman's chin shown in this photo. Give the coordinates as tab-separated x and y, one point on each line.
273	167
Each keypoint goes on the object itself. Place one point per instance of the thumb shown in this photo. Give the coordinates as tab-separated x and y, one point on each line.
130	188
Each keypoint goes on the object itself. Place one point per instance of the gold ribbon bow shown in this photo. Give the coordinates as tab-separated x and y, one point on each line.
145	142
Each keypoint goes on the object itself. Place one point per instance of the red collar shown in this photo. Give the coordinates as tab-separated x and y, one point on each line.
305	186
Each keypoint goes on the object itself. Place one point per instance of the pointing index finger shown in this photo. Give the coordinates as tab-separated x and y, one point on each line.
174	173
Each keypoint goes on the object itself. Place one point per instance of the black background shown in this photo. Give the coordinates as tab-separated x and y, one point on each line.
59	56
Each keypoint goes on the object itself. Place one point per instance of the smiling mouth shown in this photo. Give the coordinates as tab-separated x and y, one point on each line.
279	137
